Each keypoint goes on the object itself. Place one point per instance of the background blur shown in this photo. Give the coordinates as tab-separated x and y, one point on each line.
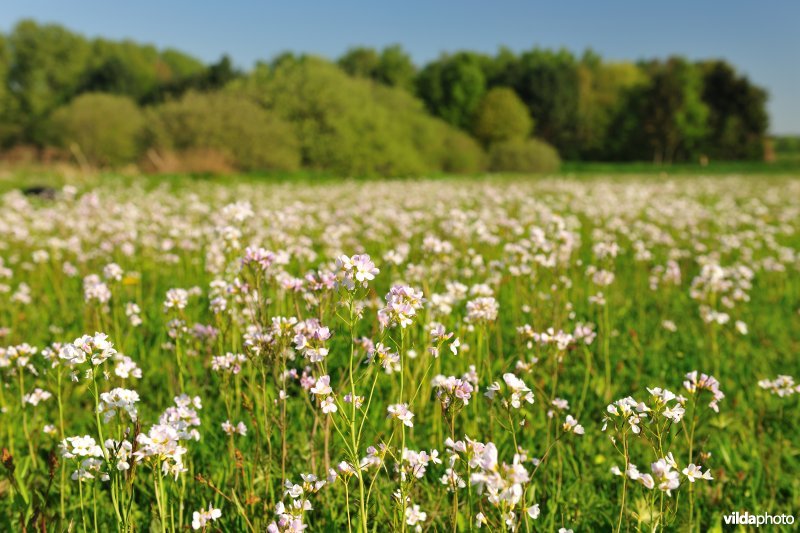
359	88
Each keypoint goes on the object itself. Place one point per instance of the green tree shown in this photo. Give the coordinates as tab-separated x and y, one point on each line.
106	129
249	137
674	116
602	88
737	120
395	68
501	116
354	126
547	81
452	87
47	70
361	62
523	155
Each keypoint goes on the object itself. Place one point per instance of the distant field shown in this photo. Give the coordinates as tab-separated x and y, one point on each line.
610	348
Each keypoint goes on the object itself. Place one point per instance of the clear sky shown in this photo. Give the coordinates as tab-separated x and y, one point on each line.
762	38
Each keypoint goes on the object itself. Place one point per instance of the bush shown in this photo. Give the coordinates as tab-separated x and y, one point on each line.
524	155
355	126
229	125
106	128
501	116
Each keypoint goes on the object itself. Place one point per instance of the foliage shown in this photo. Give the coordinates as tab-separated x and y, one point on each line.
392	66
523	155
107	129
249	136
669	110
353	126
737	120
501	116
452	87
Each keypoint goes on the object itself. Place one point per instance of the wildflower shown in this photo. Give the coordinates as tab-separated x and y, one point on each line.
519	391
571	426
415	517
781	386
694	472
239	429
328	405
310	337
533	511
202	517
176	299
120	452
34	398
482	310
389	360
704	382
400	412
230	363
402	304
97	348
628	410
665	475
126	368
72	447
356	270
118	400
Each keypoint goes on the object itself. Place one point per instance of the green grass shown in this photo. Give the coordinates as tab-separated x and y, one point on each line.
526	242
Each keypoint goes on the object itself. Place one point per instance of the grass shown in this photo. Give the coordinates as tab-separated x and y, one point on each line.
635	275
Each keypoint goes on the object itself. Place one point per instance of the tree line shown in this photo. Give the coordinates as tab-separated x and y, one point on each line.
369	112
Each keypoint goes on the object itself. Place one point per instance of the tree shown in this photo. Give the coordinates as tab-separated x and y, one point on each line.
106	128
246	135
452	87
361	62
547	82
395	68
46	72
354	126
672	114
523	155
602	88
501	116
737	120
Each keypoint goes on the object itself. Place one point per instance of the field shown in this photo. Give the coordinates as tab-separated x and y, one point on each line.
583	353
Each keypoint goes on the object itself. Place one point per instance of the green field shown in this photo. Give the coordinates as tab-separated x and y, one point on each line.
521	351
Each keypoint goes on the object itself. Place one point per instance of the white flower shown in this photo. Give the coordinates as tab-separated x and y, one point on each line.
571	425
239	429
400	412
38	395
694	472
533	511
328	405
204	516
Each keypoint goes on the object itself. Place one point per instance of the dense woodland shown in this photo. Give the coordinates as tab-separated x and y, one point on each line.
111	103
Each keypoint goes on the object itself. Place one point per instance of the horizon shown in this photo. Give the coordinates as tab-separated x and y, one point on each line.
248	33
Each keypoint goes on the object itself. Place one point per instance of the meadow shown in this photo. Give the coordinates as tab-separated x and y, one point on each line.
552	354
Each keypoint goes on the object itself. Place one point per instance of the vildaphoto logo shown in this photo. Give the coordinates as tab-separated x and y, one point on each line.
758	520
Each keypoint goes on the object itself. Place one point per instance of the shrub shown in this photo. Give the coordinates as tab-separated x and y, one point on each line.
355	126
501	116
524	155
227	124
106	128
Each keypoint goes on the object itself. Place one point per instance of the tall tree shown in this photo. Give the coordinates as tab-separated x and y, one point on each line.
48	66
738	119
395	68
501	116
548	83
452	87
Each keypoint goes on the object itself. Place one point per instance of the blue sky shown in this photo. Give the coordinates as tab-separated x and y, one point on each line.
762	38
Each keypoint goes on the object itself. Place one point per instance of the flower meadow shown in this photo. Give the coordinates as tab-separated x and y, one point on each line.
434	355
